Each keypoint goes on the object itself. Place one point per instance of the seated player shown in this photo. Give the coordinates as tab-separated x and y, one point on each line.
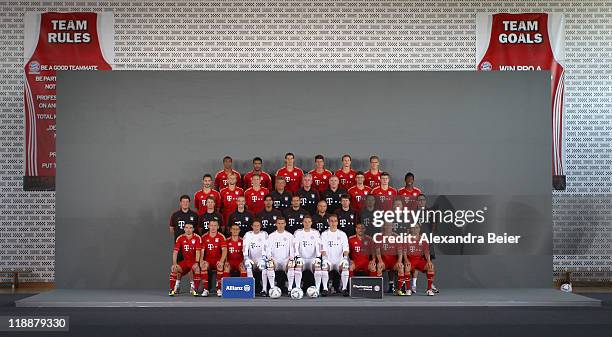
347	217
389	256
334	253
189	244
307	248
280	253
427	227
319	219
361	252
417	258
214	253
241	217
235	256
209	215
294	215
254	248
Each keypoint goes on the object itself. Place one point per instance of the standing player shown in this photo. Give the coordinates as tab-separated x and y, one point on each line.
334	253
358	192
319	219
268	215
221	181
199	199
255	194
266	180
235	255
294	215
229	196
254	254
346	174
240	217
367	215
307	248
362	252
214	253
292	174
309	197
409	192
389	256
372	176
333	194
209	215
280	253
417	258
281	197
346	216
384	193
189	244
320	175
182	216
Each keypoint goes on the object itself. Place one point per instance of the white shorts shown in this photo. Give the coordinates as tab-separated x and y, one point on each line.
309	264
280	264
334	265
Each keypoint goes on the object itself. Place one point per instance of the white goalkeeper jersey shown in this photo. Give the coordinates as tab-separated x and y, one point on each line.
279	246
334	244
307	245
254	245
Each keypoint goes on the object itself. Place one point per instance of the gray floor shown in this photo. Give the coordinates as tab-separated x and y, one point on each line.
447	298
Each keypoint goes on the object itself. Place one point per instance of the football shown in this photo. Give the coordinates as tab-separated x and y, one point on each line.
312	292
275	292
297	293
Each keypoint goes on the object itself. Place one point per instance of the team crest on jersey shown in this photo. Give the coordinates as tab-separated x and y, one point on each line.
191	218
34	67
486	66
274	217
246	218
192	241
216	239
301	216
239	244
295	174
312	196
352	216
284	239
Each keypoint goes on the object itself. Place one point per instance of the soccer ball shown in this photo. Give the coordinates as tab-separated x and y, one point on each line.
312	292
275	292
297	293
566	287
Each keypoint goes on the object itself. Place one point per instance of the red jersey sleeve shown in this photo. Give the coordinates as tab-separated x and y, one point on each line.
177	244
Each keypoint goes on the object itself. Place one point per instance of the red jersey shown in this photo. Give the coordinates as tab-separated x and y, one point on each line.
188	246
360	250
255	199
389	249
372	180
409	196
199	200
416	249
347	179
358	196
266	180
384	197
293	178
212	246
221	179
234	251
320	181
228	200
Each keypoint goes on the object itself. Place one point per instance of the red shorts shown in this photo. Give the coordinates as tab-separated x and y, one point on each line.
186	266
417	263
390	261
361	265
212	263
234	264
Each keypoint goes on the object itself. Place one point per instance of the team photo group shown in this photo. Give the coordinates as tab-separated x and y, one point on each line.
298	232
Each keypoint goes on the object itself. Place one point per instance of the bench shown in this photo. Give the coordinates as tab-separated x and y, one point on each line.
14	273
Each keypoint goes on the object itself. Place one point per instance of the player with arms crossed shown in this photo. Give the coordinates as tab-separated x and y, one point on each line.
189	244
361	249
307	248
280	253
389	256
334	253
417	258
235	255
254	254
214	253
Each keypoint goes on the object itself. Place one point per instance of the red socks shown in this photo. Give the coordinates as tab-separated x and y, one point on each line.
219	278
430	277
204	277
172	280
